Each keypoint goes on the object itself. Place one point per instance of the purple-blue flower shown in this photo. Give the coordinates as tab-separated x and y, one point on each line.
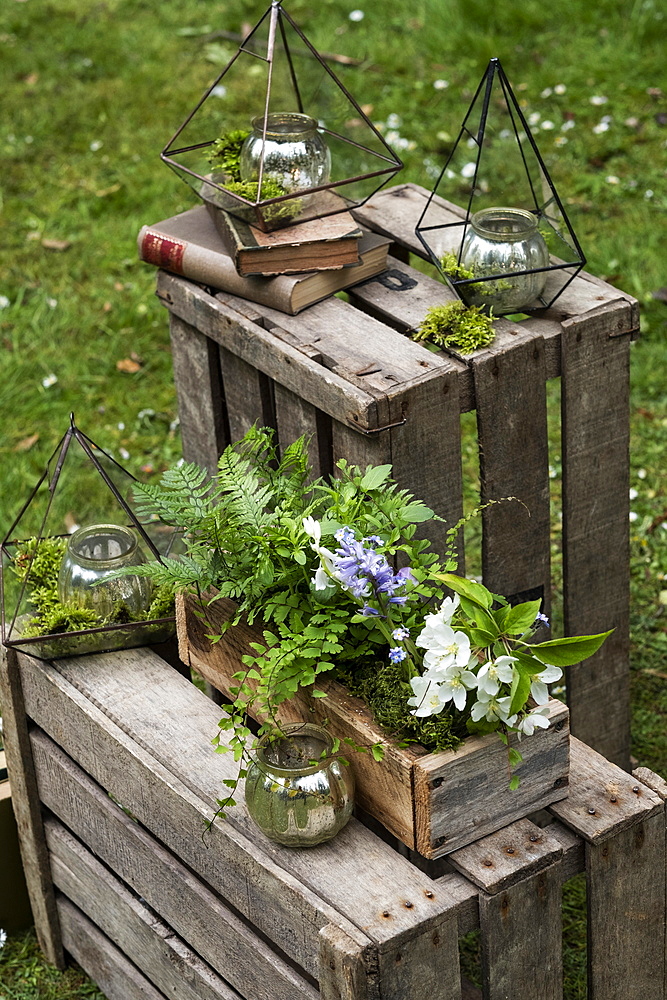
396	654
541	619
400	634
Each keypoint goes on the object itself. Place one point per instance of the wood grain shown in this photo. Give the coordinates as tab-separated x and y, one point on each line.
462	795
197	914
27	812
347	971
111	971
521	939
508	856
148	942
510	390
249	395
596	528
201	403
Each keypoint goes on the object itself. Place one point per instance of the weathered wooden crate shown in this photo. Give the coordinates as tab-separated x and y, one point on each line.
344	373
433	803
152	910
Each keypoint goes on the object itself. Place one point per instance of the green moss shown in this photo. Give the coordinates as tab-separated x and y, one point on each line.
225	153
386	692
284	210
464	328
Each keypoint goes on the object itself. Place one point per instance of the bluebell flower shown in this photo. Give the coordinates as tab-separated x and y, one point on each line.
541	619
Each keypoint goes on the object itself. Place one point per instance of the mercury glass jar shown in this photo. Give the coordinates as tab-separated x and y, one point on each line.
294	801
504	242
93	553
295	154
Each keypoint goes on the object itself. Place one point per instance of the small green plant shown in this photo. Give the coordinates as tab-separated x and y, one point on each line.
459	272
225	153
281	211
465	328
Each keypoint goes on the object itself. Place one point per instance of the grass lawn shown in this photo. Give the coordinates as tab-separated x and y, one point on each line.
93	90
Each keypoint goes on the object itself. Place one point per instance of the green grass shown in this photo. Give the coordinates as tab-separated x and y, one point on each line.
93	90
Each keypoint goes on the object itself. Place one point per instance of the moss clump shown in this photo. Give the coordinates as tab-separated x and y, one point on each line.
385	690
225	153
465	328
281	211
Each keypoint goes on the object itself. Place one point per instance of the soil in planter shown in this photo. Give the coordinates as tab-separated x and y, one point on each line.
384	689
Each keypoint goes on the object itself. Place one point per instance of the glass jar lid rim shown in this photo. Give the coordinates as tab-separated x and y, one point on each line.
282	123
81	534
480	221
288	731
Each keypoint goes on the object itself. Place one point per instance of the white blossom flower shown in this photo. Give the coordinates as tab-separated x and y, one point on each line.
649	193
428	698
3	938
440	84
538	688
536	719
356	15
94	146
454	651
454	683
612	179
633	515
393	121
469	170
560	88
534	118
634	494
124	454
219	90
598	99
491	708
547	126
494	673
49	380
313	529
567	125
4	302
547	92
641	473
601	127
52	303
560	140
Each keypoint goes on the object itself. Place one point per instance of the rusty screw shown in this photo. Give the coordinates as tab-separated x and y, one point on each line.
636	789
592	811
613	799
408	904
510	850
428	894
534	838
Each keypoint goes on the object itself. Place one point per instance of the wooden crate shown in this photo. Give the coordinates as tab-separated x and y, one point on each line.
152	910
344	373
432	802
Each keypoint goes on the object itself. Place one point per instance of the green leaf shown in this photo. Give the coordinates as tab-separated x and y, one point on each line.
515	621
514	757
566	652
481	638
300	557
416	512
520	688
470	589
375	476
378	751
316	693
515	781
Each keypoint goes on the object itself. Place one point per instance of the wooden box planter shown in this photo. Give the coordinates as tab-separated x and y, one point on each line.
434	803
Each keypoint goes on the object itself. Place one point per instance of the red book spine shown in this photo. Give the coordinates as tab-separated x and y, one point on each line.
163	252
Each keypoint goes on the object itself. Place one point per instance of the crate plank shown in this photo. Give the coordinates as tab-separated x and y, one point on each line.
148	942
25	803
197	915
596	528
355	876
510	390
344	968
201	403
277	358
521	939
508	856
424	967
248	394
603	799
112	972
626	913
294	417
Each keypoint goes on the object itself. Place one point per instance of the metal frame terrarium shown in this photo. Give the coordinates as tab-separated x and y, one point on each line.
512	249
304	150
81	556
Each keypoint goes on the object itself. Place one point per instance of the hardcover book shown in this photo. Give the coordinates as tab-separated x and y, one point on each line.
316	245
189	244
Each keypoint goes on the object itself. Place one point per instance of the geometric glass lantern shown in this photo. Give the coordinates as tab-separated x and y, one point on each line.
511	248
76	528
309	149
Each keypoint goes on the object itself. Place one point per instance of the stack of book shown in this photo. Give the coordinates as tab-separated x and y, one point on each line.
288	269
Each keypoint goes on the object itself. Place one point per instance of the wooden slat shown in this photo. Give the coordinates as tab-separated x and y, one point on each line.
511	855
510	390
462	795
427	966
659	786
294	417
27	812
249	395
196	914
355	876
201	404
277	358
112	972
595	401
344	971
521	939
603	800
626	913
148	942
